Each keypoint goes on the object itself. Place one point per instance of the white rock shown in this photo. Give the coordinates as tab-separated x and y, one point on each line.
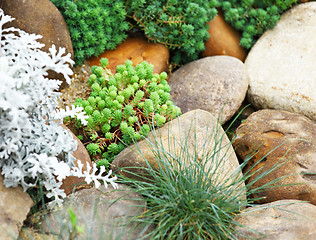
282	64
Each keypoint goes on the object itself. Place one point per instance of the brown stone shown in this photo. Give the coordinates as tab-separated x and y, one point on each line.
196	131
72	183
224	40
42	18
246	109
280	220
282	139
15	204
32	234
136	49
216	84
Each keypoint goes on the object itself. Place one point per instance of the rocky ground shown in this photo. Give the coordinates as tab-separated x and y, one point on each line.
277	77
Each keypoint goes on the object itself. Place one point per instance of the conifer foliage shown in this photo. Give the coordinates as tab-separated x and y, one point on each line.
94	25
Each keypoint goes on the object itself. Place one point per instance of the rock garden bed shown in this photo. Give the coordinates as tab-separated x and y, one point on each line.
212	137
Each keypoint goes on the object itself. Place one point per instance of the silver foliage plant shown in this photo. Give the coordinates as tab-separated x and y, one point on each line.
33	145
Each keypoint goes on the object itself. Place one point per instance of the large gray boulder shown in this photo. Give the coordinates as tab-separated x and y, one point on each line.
216	84
281	65
103	213
196	132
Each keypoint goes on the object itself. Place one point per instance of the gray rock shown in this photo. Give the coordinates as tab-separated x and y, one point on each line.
42	18
196	131
281	65
216	84
103	213
281	220
14	207
281	139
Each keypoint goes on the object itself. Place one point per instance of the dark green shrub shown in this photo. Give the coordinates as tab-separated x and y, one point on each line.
94	25
99	25
180	25
123	107
254	17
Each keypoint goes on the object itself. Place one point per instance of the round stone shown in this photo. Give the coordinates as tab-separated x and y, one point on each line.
216	84
281	65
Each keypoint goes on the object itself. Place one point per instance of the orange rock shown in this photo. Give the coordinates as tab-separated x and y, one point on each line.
43	18
81	154
283	143
136	49
224	40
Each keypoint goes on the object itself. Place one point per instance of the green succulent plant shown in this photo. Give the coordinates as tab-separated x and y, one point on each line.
94	25
122	107
254	17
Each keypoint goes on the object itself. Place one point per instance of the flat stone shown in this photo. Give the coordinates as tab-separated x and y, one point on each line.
102	212
136	49
281	65
42	18
288	140
224	40
196	131
15	204
284	219
216	84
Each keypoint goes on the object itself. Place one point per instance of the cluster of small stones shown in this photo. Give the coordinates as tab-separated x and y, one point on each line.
79	85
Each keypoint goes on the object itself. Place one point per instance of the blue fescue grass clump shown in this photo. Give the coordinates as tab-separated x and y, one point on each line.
192	201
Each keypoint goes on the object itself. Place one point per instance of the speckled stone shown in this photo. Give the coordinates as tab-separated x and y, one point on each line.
280	220
196	132
104	213
216	84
